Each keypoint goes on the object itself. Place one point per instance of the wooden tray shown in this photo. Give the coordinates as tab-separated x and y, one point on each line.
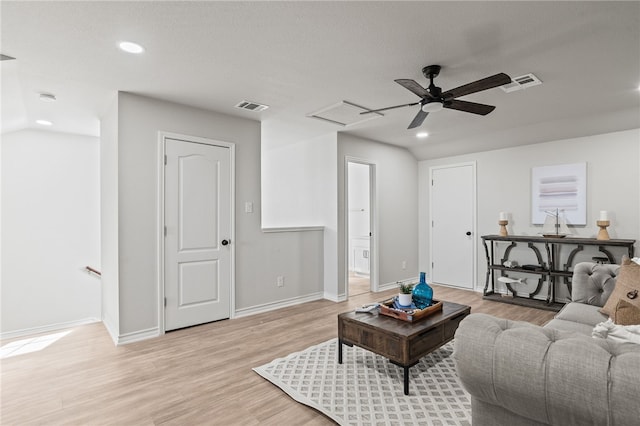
386	308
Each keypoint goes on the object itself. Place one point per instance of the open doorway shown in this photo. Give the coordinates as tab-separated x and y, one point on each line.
359	241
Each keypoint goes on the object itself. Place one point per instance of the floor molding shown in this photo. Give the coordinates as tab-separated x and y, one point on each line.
266	307
46	328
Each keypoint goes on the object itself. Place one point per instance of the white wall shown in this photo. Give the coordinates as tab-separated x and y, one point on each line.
504	184
109	217
305	169
299	184
50	231
260	257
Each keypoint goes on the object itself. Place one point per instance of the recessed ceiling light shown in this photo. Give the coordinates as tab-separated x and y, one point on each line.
44	122
422	135
131	47
47	97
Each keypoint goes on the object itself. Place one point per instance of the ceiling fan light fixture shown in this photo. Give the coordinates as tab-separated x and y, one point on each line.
432	106
422	135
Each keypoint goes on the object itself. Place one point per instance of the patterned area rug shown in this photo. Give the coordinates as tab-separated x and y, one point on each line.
367	389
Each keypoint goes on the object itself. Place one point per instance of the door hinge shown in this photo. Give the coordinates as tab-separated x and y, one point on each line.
165	302
165	231
431	268
431	181
165	160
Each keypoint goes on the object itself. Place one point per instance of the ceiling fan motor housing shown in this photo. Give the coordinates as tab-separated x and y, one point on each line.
431	71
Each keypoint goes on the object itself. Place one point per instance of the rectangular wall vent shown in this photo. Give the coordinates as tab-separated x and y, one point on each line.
522	82
252	106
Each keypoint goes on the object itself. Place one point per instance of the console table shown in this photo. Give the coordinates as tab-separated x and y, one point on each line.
548	267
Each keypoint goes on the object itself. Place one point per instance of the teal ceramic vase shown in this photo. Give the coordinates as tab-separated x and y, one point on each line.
422	293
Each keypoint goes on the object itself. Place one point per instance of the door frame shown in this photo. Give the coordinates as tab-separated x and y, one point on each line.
373	223
474	219
162	137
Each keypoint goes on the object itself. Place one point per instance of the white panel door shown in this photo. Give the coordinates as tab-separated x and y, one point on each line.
452	225
198	228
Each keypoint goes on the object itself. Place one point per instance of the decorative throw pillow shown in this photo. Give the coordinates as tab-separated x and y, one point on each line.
627	287
626	314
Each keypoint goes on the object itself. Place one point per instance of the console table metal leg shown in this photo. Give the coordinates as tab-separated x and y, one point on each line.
339	351
406	380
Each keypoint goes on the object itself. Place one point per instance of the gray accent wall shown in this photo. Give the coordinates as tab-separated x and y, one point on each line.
130	255
397	208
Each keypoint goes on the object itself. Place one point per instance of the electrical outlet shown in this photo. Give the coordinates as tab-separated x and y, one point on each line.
280	281
404	264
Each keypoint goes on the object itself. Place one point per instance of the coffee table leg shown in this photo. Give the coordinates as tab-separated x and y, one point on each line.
406	380
339	351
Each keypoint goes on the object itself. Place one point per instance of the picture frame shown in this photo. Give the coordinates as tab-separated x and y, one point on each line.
559	189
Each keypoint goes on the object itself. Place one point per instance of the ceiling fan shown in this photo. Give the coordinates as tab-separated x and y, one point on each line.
434	99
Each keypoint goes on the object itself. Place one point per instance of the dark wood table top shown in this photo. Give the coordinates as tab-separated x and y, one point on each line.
405	328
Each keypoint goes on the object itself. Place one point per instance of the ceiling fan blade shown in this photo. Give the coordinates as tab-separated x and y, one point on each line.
478	86
418	119
414	87
387	108
472	107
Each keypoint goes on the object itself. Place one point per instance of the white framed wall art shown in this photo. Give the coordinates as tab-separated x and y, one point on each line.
562	188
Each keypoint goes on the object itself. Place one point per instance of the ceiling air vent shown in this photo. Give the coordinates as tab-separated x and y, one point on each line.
344	114
522	82
252	106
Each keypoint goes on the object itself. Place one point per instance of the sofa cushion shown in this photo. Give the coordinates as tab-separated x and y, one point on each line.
593	283
581	313
627	285
572	326
625	313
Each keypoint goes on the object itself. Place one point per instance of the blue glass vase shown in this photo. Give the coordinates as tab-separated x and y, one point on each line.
422	293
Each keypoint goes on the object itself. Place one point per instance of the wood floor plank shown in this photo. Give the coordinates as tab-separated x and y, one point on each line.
198	375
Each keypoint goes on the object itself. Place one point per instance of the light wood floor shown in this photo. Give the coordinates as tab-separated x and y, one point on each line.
199	375
358	285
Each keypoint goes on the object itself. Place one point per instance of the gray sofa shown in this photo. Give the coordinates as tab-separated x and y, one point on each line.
522	374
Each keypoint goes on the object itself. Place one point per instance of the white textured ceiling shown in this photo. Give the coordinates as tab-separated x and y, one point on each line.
299	57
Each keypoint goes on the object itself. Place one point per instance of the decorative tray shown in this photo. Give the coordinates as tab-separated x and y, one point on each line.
409	315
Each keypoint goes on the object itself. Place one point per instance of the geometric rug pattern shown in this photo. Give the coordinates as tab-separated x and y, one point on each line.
367	389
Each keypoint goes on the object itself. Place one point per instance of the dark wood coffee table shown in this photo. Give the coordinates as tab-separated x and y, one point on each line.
403	343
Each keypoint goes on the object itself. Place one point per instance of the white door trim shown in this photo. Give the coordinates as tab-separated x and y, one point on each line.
474	238
162	137
373	222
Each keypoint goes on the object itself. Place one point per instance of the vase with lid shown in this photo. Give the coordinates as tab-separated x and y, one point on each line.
422	293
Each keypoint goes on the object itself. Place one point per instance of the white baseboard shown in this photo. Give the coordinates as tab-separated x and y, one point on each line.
110	329
47	328
266	307
136	336
335	297
391	286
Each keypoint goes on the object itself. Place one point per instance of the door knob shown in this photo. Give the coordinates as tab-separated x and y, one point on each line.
468	232
224	242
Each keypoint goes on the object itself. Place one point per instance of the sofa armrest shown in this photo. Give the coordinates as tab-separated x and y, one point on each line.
547	375
592	283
